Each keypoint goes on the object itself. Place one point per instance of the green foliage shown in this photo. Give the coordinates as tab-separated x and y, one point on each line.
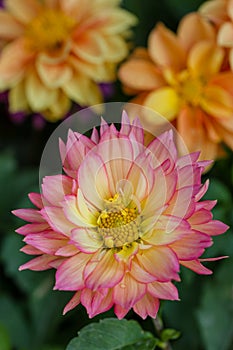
215	313
113	334
4	338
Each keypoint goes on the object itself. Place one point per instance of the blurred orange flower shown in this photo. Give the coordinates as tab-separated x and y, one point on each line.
180	77
220	12
54	52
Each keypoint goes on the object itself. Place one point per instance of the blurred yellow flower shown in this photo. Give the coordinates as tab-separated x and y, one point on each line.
180	77
220	12
54	52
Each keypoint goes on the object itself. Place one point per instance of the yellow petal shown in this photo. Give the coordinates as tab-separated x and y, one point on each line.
59	109
54	75
140	74
103	72
90	46
225	35
9	27
217	102
117	20
164	101
82	90
17	98
14	61
23	10
193	28
215	11
165	48
230	9
192	130
39	96
205	59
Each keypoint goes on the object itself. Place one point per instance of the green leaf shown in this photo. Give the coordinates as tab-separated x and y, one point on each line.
4	339
27	281
113	334
170	334
11	316
215	314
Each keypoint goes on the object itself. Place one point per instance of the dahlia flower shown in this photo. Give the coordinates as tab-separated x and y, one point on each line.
121	220
180	77
57	51
220	12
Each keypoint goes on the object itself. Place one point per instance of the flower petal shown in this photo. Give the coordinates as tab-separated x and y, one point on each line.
57	220
31	215
12	70
73	214
140	75
196	266
165	290
147	306
74	301
56	187
165	101
128	292
96	302
225	35
165	48
160	262
39	96
193	28
69	275
54	75
205	59
39	263
10	28
24	10
103	271
217	102
86	240
48	242
191	246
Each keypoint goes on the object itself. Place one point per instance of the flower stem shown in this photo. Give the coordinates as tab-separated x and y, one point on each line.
158	324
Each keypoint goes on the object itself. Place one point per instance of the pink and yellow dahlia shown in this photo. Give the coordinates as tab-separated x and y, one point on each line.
57	51
180	77
121	221
220	12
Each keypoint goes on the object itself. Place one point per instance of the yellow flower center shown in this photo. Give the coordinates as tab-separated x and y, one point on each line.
117	224
49	30
191	88
188	86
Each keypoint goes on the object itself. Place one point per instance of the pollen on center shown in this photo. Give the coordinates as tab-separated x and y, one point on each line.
118	225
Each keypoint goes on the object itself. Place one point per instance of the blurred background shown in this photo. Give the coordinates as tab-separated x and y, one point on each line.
30	312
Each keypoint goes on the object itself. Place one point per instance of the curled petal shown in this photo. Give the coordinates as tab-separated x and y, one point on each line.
205	58
69	275
165	101
147	306
225	35
96	302
128	292
165	48
196	266
165	290
140	75
103	271
86	240
74	301
193	28
39	263
160	262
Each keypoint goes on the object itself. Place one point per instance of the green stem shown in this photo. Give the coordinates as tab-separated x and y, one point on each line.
158	324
